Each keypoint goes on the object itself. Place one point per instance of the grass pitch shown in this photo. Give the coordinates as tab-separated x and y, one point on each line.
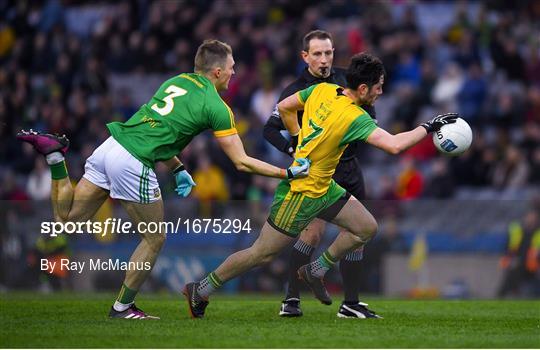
79	321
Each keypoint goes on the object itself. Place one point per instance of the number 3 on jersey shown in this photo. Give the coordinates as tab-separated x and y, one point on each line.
173	91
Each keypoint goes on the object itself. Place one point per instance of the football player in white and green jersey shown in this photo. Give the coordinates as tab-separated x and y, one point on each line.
123	166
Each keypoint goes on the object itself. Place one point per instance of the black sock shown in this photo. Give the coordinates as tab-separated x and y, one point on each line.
300	255
349	267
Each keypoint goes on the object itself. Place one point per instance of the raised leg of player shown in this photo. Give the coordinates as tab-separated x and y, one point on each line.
61	198
79	204
265	248
358	227
148	249
68	204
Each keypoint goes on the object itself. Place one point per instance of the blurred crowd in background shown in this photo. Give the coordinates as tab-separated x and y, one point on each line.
59	60
70	67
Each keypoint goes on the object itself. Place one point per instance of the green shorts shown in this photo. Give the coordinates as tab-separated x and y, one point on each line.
291	212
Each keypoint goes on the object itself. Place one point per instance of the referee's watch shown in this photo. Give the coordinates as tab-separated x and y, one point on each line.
290	150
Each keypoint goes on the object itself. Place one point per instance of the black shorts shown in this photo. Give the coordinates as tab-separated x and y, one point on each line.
332	211
349	176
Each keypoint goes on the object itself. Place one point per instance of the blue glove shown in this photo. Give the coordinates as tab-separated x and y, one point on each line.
300	170
184	182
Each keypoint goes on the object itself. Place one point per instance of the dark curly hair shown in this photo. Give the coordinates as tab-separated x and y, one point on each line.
364	69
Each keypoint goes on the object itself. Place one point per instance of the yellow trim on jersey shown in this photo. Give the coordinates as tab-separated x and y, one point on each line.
231	115
227	132
185	76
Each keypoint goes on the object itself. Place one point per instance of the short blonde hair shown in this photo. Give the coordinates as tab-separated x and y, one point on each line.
210	54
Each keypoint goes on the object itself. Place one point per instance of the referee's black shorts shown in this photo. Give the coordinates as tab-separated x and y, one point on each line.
349	176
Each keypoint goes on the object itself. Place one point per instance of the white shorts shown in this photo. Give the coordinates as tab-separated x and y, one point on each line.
113	168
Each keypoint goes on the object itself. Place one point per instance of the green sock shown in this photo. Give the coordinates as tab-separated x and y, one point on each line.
59	170
126	295
324	263
327	259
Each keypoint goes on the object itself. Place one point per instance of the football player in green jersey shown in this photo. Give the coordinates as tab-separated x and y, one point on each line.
331	120
122	166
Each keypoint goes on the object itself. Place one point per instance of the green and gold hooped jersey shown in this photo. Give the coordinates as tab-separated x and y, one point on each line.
182	108
330	122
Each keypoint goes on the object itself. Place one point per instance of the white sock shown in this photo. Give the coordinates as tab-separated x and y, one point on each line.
118	306
206	287
54	157
318	269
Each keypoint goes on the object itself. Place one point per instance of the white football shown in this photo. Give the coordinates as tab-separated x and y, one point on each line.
453	139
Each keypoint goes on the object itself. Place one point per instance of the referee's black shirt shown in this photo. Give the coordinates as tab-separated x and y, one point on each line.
274	124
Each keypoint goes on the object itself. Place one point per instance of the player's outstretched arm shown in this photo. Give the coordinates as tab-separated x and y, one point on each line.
395	144
272	133
233	147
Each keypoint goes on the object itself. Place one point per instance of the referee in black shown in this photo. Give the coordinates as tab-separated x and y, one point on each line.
318	53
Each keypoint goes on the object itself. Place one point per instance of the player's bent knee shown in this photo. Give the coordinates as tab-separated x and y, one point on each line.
311	237
313	232
370	229
367	230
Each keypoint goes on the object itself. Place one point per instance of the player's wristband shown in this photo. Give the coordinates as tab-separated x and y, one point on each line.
428	127
290	150
178	169
290	175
